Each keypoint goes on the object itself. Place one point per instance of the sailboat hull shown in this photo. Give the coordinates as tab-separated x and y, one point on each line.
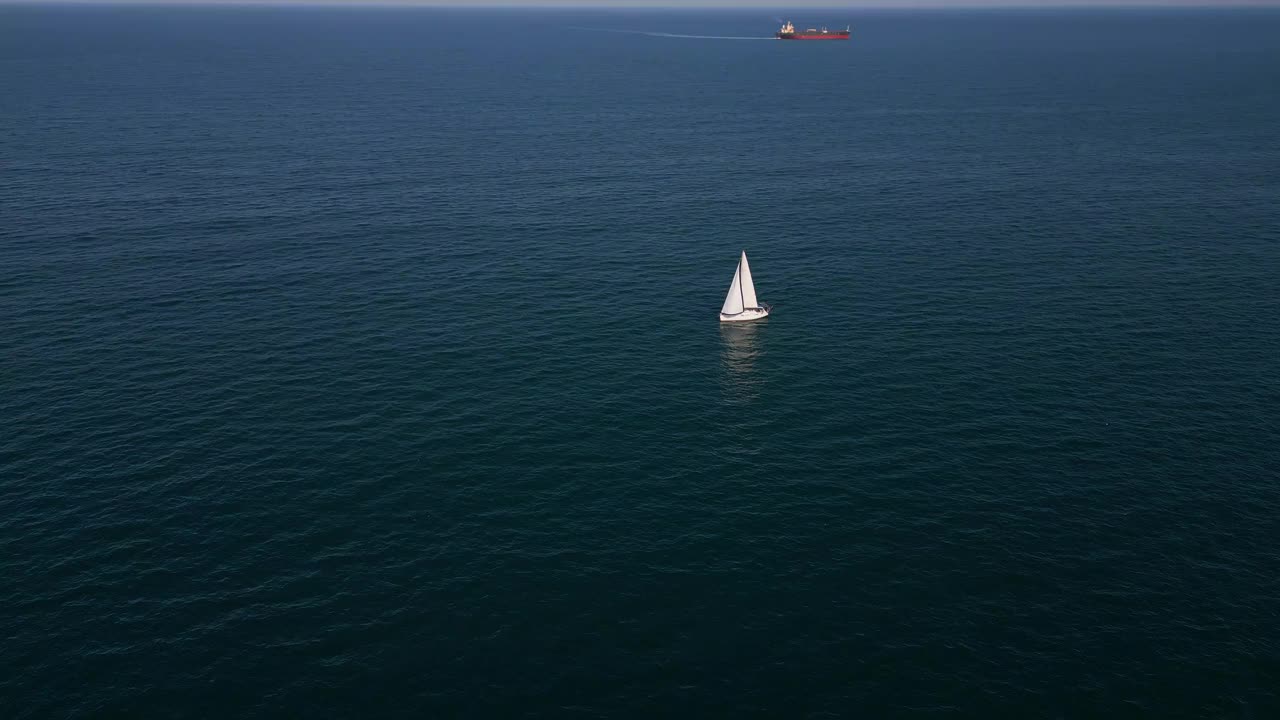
746	315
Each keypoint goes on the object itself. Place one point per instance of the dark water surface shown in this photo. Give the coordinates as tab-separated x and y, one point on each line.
366	363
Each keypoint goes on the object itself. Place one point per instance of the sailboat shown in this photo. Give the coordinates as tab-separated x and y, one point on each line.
740	304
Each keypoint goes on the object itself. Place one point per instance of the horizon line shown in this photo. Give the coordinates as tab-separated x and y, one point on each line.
695	5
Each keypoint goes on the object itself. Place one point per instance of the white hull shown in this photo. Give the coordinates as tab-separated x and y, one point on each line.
746	315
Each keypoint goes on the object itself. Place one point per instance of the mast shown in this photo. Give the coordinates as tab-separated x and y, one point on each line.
741	298
747	284
730	307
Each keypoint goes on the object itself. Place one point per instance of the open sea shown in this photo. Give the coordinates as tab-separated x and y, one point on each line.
366	363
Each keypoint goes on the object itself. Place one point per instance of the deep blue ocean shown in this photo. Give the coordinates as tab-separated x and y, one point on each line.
366	363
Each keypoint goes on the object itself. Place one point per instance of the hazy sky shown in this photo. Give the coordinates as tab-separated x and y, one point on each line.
779	5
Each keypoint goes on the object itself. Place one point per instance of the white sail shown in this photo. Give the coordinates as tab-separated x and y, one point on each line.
740	305
733	301
748	286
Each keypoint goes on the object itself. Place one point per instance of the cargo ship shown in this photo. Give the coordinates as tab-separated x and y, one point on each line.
789	32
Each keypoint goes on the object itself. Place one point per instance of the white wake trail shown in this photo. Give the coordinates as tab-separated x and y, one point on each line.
708	37
672	35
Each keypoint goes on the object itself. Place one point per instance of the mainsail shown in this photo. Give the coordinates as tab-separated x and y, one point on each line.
742	293
733	301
